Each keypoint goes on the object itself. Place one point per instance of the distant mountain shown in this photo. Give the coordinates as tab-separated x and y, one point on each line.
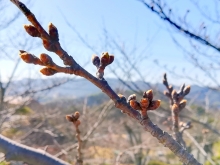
77	88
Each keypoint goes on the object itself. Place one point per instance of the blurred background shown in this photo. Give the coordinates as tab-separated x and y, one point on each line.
147	38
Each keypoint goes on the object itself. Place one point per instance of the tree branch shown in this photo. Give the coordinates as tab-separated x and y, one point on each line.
19	152
51	43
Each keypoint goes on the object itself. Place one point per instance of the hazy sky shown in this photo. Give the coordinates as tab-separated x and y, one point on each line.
127	21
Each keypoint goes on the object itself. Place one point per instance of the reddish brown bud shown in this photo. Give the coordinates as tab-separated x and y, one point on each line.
105	59
46	59
70	118
122	97
53	32
131	97
148	94
135	105
96	60
182	104
48	71
154	105
186	90
111	59
76	115
32	31
30	58
144	103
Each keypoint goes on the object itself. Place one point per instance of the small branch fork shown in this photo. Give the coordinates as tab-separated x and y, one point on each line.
51	43
74	118
177	104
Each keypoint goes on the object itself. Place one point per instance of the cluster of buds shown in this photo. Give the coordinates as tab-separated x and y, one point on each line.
101	63
44	60
176	97
49	42
74	118
145	104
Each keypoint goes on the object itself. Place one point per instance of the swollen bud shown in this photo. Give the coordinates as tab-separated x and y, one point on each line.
131	97
122	97
48	71
154	105
104	59
182	104
111	59
70	118
144	103
46	59
96	60
29	58
32	31
76	115
186	90
53	32
135	105
148	94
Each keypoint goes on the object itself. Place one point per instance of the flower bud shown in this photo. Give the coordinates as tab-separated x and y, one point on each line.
96	60
174	94
123	98
104	59
30	58
148	94
144	103
154	105
46	59
131	97
53	32
32	31
186	90
76	115
135	105
182	104
48	71
111	59
70	118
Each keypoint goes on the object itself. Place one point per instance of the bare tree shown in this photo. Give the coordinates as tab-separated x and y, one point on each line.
203	49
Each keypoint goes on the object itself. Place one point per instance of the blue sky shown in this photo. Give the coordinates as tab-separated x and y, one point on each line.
127	21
